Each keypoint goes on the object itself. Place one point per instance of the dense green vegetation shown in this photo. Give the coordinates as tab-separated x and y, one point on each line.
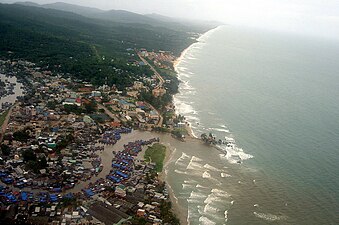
33	162
158	102
3	117
94	50
156	154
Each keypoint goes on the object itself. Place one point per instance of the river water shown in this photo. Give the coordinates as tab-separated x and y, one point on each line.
17	90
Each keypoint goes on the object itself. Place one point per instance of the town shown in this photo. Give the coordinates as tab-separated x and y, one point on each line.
52	168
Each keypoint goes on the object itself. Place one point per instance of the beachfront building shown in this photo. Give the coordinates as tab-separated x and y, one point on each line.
158	92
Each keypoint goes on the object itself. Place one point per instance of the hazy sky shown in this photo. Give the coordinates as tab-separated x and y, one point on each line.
319	17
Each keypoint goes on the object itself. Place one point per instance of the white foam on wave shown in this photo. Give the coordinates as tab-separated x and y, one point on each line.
205	221
211	198
187	186
181	158
193	164
226	215
180	68
223	175
187	110
196	159
206	175
184	108
172	192
191	213
195	194
185	85
185	75
212	168
217	195
180	172
193	119
221	130
234	155
220	193
190	181
269	217
191	58
210	209
196	197
202	187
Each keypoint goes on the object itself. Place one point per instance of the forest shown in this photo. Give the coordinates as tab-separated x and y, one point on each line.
90	49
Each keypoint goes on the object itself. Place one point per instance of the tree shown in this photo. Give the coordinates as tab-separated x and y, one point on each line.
5	149
29	155
21	135
90	107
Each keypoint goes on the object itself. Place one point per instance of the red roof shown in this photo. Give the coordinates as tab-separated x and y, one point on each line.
115	124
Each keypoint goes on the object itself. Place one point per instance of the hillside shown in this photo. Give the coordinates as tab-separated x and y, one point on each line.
88	48
122	16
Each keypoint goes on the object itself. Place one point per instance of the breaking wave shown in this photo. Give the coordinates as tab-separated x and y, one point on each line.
269	217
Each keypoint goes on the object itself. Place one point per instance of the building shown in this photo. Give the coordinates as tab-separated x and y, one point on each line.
72	101
96	94
158	92
138	85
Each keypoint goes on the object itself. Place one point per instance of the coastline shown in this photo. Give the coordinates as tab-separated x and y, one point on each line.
176	63
176	208
106	155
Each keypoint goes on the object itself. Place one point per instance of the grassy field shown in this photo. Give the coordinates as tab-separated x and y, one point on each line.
157	154
3	117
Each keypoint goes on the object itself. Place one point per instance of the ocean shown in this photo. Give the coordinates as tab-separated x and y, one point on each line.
277	95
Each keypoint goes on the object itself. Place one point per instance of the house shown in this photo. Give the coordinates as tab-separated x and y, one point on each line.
158	92
96	94
140	105
72	101
138	85
133	94
141	213
153	115
125	105
115	124
88	119
120	191
143	52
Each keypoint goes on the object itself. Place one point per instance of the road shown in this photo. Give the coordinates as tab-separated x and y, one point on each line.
161	80
161	83
5	123
109	113
161	119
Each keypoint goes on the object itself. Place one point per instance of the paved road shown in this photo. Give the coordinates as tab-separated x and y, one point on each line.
109	113
5	123
161	80
161	118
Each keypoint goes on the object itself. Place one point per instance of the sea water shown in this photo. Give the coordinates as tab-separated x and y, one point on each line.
277	95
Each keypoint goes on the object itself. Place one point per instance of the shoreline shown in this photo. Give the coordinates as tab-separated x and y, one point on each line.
107	156
176	62
176	208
